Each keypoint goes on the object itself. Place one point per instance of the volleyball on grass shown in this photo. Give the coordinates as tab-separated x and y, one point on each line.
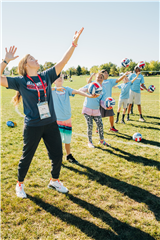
125	62
11	124
94	88
151	88
137	137
141	64
110	102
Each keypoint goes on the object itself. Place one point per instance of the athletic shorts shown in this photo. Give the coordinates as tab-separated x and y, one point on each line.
134	96
106	113
65	128
123	102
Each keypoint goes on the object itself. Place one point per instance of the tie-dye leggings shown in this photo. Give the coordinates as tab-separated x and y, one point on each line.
98	121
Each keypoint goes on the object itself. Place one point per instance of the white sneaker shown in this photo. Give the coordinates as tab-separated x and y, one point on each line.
20	191
90	145
58	186
141	119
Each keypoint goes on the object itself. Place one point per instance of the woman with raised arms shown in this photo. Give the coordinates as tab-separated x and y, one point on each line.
40	119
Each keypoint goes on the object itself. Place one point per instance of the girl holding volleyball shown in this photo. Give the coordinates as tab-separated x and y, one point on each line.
40	119
91	112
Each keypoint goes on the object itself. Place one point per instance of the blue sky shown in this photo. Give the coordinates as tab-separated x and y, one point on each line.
112	31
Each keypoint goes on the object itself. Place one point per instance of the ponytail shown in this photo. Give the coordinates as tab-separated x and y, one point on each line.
22	71
16	99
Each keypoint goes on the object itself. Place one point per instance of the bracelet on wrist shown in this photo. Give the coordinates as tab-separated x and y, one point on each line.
74	44
5	61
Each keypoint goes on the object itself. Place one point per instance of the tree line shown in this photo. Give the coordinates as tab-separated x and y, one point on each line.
151	68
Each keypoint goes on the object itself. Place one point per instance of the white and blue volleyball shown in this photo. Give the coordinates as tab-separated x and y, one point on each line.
125	62
110	102
151	88
137	137
94	88
141	64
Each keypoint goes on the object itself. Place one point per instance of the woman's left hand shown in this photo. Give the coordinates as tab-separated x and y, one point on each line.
76	36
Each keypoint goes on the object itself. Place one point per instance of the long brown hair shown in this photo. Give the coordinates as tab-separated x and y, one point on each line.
22	71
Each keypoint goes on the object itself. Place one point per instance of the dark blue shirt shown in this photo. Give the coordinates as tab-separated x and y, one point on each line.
30	96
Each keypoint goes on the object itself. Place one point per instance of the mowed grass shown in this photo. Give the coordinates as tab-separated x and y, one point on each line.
113	194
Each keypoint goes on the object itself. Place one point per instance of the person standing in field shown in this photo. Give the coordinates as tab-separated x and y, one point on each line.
40	119
135	92
123	98
91	110
62	108
107	85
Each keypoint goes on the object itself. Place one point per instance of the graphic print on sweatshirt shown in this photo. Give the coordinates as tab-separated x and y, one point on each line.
31	85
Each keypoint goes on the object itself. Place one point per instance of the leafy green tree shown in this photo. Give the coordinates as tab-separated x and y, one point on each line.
105	66
79	71
48	65
146	68
14	70
113	71
71	71
94	69
85	71
154	66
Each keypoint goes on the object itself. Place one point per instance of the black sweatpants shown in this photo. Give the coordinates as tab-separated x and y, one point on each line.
31	138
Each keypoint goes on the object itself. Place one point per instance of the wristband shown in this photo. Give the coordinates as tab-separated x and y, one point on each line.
5	61
74	44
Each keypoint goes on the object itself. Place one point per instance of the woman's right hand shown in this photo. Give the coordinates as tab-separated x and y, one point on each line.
10	54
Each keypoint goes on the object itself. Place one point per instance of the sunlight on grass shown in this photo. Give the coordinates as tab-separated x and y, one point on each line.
113	194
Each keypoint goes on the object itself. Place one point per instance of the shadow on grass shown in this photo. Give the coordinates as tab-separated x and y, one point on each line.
132	158
124	230
153	123
127	137
90	229
155	117
133	192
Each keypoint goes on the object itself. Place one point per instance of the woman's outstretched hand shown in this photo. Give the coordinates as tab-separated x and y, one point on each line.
10	54
76	36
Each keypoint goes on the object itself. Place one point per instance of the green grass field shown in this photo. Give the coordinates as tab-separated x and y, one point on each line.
114	193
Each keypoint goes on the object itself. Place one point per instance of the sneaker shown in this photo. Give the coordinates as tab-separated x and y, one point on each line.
141	119
71	159
123	121
20	190
58	186
104	143
116	121
90	145
113	129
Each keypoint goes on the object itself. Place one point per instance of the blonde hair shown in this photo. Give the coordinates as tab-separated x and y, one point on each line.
22	71
22	65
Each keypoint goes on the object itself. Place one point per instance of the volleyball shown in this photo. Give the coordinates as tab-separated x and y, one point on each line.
94	88
151	88
137	137
110	102
141	64
11	124
125	62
